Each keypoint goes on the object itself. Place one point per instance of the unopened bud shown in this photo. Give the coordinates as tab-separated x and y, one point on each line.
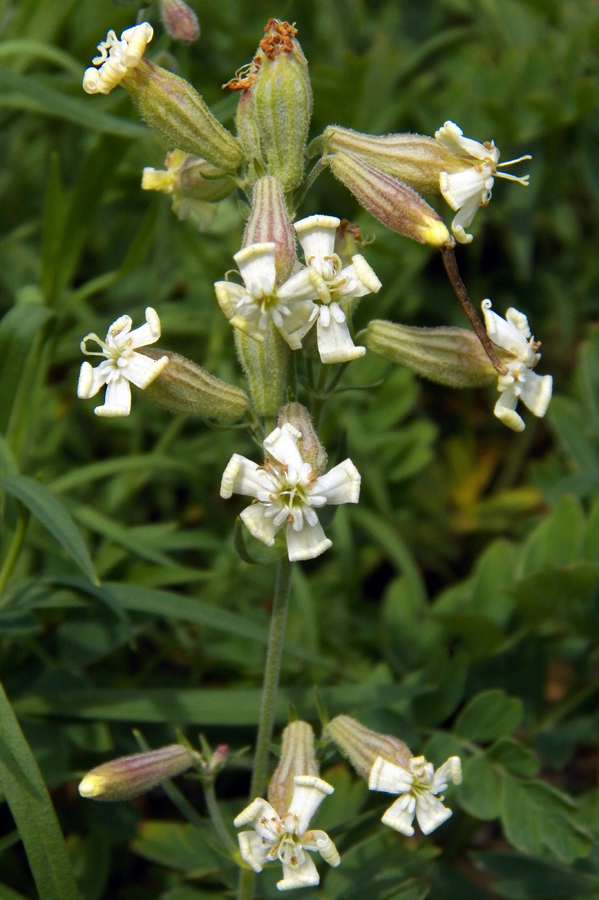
310	448
389	200
362	746
171	106
273	125
269	221
179	20
415	159
218	759
297	758
130	776
191	390
265	366
450	356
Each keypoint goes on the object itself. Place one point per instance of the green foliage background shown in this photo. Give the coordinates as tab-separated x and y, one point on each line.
459	608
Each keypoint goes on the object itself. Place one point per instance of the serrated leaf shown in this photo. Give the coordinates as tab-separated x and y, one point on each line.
53	516
489	715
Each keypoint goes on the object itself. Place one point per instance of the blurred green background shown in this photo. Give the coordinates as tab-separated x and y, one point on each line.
459	607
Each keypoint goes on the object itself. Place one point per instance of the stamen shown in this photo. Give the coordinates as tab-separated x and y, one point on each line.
512	162
523	180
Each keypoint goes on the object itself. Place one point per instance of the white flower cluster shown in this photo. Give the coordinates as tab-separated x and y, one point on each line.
287	493
321	293
287	837
116	58
419	788
517	349
467	190
121	364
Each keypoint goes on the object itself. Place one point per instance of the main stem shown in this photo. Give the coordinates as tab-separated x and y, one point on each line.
270	685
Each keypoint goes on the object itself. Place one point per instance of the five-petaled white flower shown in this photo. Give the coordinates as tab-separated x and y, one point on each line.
286	837
116	58
121	364
287	492
250	308
340	286
517	349
470	186
418	787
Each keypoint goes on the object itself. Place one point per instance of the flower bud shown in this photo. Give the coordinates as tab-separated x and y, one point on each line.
191	390
451	356
130	776
176	111
415	159
265	366
276	106
362	746
218	759
310	448
390	201
269	221
179	20
297	758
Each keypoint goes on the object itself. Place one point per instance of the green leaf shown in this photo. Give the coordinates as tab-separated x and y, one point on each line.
558	540
177	846
52	515
522	878
480	791
33	812
206	706
50	102
514	757
537	818
21	331
251	550
489	715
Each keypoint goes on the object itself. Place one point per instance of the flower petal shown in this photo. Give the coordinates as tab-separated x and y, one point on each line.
505	409
253	849
326	848
536	392
307	284
452	137
308	543
400	815
308	793
257	266
506	335
461	188
117	401
430	812
387	777
316	234
281	444
140	370
303	875
335	344
259	814
228	294
91	380
451	770
242	476
259	524
340	485
148	333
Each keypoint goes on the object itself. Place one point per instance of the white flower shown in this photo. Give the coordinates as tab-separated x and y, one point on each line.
286	838
418	788
287	492
252	307
121	365
116	58
518	351
467	189
317	236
